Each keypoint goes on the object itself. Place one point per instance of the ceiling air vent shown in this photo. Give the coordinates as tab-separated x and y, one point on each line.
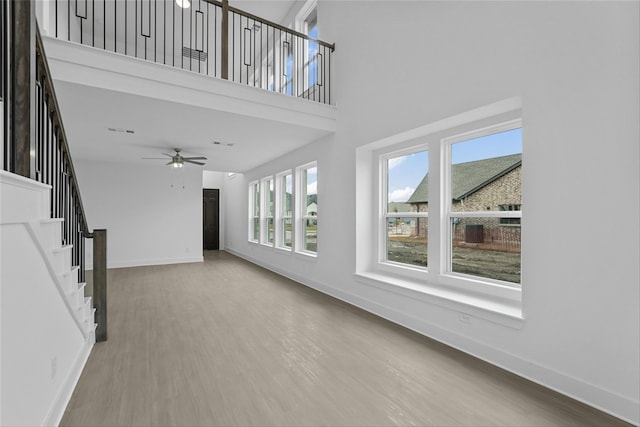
194	54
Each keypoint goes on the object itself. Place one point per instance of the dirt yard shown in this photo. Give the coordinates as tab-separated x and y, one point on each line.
467	260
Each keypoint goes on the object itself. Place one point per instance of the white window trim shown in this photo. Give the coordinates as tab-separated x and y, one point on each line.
301	209
264	211
443	268
280	217
251	215
495	302
382	262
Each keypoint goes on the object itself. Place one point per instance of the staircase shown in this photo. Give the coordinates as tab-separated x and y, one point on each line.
47	323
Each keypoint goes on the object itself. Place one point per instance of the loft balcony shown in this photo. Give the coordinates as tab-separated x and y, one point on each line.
218	73
208	37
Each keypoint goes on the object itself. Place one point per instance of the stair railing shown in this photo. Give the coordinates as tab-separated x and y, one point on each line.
209	37
36	144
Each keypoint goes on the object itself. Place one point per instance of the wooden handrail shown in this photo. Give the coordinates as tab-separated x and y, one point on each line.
55	109
331	46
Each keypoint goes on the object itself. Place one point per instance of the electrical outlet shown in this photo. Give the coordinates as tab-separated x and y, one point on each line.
54	366
464	318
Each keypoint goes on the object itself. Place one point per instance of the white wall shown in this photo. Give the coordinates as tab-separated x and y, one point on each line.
575	67
215	180
147	220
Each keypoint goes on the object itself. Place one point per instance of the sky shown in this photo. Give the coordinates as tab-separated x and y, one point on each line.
406	172
312	181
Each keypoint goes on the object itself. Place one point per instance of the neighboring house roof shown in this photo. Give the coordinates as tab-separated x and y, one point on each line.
469	177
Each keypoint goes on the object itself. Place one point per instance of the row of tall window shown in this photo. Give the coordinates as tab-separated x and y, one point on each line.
452	207
284	210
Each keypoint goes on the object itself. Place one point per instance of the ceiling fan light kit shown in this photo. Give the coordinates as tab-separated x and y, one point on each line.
178	160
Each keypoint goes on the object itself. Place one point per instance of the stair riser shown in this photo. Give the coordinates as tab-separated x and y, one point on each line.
69	282
88	310
51	234
62	260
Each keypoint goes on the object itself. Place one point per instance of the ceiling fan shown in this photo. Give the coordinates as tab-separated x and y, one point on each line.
178	160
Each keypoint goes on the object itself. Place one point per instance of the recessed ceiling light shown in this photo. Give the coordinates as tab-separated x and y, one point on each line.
230	145
216	142
121	130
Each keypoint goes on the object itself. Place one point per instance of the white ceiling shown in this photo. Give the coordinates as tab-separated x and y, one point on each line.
159	126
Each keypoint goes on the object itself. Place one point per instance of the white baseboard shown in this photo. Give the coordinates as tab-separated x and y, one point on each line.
66	391
607	401
146	262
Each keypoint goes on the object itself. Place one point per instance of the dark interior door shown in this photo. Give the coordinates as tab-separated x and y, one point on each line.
211	219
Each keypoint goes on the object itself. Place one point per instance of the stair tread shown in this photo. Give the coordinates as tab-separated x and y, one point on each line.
63	248
51	220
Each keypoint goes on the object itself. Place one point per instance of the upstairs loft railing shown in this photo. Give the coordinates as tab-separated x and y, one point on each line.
209	37
38	148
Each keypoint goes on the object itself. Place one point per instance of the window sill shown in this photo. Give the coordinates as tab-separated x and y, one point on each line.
492	309
308	256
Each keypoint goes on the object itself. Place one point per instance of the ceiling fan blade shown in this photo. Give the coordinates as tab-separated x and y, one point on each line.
191	161
152	158
195	158
170	155
170	163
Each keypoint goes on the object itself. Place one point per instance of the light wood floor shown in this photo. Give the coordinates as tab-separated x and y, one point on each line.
227	343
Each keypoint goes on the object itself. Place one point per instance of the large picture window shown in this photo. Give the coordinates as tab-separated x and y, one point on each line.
458	195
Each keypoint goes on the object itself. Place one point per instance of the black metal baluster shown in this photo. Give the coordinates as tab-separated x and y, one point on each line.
215	41
261	59
233	51
330	86
173	39
104	25
190	39
207	46
135	40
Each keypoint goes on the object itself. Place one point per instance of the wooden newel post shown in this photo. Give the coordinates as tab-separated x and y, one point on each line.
100	282
21	86
224	41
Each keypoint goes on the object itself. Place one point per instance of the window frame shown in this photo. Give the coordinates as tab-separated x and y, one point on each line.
266	213
437	273
253	186
281	216
381	262
300	185
445	269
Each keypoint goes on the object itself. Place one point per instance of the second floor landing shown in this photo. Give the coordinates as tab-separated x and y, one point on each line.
120	105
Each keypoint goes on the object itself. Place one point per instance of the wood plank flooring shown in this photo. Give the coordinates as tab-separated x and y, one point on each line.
227	343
